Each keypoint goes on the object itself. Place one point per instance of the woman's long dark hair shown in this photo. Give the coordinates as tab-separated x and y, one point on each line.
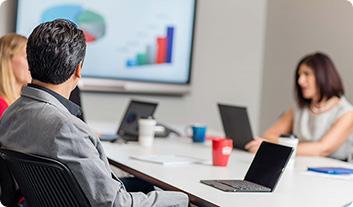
327	78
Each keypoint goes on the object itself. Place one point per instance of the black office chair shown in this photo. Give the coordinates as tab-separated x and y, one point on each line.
75	97
9	193
43	181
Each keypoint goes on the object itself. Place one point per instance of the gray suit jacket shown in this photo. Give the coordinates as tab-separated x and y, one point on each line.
38	123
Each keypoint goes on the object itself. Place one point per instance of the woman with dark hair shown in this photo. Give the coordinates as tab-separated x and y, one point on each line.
322	119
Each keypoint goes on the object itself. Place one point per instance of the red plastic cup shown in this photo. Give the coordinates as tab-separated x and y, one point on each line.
221	150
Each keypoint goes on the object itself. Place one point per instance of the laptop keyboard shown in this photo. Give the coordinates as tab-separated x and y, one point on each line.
244	186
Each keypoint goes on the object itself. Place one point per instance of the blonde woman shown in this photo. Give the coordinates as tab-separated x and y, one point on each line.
14	73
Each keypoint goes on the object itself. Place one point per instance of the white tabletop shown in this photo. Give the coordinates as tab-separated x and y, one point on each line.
296	187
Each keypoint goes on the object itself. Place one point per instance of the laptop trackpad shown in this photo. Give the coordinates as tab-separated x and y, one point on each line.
218	185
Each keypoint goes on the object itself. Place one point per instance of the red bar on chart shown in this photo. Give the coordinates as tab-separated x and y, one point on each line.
161	50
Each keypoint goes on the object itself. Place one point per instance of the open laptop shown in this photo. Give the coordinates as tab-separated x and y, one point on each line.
263	174
128	129
236	125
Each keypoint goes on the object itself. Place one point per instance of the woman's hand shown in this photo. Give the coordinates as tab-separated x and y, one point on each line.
254	145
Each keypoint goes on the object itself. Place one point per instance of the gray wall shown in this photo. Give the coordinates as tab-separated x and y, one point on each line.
228	61
7	17
295	28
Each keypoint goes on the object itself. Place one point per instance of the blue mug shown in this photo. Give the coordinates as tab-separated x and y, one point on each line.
198	133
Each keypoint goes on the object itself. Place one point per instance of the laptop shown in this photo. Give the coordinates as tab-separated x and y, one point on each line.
236	125
128	129
263	174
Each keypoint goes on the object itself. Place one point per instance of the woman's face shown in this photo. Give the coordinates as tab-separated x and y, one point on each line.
307	82
20	67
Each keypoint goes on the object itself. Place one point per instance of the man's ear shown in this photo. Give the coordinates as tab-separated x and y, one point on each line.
78	70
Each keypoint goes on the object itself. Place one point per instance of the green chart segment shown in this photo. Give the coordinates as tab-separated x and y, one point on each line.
92	23
160	52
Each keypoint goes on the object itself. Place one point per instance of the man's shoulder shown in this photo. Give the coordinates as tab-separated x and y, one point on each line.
42	120
39	112
32	109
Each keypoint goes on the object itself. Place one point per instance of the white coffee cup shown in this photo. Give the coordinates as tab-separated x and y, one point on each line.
290	141
146	131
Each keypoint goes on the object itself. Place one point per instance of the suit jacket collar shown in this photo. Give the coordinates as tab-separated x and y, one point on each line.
42	96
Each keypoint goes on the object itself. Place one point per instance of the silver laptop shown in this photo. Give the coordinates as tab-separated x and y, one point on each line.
263	174
236	124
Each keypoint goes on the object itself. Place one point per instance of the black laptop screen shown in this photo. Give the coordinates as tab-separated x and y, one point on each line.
135	111
236	124
268	164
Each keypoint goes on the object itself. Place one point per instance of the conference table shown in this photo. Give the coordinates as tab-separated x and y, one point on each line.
296	187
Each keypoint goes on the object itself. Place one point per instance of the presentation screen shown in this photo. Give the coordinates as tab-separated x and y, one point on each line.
136	40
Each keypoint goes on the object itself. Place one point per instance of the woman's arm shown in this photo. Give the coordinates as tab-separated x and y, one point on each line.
332	140
283	125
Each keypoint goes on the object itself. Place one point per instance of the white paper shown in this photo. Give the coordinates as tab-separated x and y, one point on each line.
168	159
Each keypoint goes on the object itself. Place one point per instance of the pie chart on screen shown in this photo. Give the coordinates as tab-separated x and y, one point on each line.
91	22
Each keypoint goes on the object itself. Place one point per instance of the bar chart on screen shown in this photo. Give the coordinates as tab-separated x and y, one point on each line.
160	51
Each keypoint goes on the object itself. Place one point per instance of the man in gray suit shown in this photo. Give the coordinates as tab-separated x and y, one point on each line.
43	121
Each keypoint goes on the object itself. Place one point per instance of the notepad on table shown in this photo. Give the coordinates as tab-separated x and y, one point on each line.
332	170
167	159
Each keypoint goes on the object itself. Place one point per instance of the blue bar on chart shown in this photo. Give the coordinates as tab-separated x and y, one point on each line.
170	37
131	63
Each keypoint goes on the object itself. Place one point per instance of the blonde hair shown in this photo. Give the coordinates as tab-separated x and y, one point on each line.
10	45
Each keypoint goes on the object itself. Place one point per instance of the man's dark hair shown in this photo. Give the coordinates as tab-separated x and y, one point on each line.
54	50
327	78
